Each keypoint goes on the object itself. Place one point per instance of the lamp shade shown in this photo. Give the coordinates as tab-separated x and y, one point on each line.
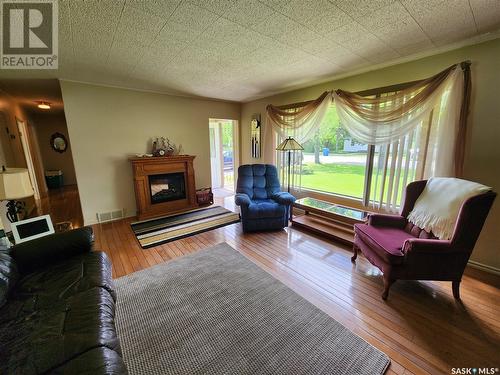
15	184
289	144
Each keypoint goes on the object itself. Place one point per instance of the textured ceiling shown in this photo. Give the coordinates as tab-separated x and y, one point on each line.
242	49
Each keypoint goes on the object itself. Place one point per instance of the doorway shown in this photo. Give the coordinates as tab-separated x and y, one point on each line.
223	155
39	141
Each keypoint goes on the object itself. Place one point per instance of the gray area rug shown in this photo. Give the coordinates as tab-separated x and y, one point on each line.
215	312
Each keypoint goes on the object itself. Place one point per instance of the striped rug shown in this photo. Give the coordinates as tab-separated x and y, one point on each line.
170	228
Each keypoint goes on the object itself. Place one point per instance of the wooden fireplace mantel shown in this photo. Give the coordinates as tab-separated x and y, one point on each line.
146	166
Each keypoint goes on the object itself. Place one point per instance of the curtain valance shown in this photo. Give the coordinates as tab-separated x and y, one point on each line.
385	119
299	120
377	110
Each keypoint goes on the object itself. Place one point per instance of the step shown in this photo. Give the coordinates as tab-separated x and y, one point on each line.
325	227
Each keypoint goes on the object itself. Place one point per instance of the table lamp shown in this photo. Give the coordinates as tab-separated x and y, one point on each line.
15	184
289	145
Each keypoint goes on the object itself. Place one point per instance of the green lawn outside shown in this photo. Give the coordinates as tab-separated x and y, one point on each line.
342	179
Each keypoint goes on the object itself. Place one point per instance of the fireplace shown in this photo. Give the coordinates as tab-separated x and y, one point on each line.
167	187
163	185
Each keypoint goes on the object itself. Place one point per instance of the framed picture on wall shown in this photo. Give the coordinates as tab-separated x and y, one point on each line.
255	127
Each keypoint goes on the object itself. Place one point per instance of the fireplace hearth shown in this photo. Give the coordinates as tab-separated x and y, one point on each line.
163	185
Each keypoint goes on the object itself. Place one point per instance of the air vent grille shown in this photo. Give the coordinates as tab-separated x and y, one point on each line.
102	217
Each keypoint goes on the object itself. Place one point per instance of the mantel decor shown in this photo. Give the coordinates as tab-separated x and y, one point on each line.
163	185
162	146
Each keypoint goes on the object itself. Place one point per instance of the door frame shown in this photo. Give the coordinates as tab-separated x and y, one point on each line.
22	127
215	156
236	148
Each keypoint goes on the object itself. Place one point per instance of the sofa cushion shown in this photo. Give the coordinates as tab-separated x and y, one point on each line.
386	242
50	337
62	280
53	285
265	208
418	232
98	361
8	276
258	181
48	250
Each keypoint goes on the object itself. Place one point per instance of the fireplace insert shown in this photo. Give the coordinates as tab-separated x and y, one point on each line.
167	187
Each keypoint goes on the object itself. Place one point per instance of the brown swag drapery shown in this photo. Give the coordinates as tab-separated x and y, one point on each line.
385	119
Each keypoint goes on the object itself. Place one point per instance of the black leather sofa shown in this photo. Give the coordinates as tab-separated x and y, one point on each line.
57	308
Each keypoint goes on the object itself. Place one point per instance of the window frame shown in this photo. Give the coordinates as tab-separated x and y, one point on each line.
365	200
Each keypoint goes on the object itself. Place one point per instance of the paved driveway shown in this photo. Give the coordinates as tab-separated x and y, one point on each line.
352	159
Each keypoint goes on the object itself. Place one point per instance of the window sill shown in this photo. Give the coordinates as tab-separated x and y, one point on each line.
342	200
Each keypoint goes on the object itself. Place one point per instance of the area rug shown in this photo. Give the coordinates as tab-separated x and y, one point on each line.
170	228
215	312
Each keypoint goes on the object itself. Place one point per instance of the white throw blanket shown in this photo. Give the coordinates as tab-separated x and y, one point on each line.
438	206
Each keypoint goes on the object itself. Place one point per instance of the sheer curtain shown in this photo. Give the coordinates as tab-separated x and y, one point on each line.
299	121
416	133
421	143
398	163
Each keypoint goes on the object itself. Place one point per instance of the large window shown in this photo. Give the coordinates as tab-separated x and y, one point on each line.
334	162
370	145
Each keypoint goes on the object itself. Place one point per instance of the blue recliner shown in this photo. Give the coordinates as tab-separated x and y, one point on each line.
263	205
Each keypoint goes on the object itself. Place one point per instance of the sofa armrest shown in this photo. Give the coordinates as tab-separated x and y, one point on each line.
380	220
241	199
427	246
284	198
47	250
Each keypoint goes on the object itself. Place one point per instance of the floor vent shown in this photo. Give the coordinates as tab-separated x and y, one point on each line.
102	217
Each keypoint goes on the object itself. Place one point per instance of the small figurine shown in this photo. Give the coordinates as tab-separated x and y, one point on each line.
163	147
177	150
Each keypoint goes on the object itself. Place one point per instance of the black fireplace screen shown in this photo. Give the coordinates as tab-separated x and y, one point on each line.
167	187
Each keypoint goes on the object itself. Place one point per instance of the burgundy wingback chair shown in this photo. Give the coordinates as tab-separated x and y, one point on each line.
404	251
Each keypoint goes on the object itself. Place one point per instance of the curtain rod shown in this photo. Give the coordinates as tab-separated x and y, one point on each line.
298	104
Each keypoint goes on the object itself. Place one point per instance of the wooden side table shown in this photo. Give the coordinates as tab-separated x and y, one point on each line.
328	219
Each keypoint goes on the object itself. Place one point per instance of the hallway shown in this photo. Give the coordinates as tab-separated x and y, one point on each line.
63	205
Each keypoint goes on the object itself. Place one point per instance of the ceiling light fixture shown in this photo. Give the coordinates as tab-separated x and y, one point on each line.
44	105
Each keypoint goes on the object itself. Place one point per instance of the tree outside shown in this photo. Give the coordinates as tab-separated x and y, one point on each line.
341	167
329	135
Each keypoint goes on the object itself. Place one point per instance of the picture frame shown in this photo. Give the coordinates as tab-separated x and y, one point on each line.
255	135
30	229
58	142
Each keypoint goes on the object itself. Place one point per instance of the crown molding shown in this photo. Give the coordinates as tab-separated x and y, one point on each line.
150	91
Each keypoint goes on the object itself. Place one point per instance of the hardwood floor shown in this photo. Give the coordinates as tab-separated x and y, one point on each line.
63	205
421	327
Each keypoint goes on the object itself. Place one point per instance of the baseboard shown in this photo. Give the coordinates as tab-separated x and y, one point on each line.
89	222
484	267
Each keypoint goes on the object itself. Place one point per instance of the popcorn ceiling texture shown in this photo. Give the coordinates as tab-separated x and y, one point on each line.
242	49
